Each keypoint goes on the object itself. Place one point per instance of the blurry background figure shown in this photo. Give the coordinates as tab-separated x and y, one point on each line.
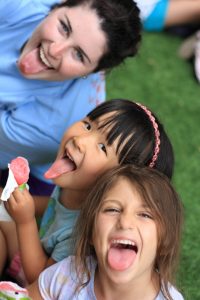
180	17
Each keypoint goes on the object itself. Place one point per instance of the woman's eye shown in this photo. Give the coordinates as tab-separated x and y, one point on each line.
79	55
103	148
87	125
64	27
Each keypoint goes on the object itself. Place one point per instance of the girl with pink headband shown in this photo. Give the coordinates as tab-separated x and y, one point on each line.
117	132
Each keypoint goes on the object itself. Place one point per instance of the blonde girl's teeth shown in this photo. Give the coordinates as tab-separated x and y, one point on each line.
126	242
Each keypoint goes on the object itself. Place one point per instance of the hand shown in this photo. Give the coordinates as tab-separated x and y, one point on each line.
21	206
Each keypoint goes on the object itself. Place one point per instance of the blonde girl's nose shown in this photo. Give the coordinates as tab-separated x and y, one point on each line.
126	221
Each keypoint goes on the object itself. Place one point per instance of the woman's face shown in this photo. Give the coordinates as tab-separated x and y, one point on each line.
67	44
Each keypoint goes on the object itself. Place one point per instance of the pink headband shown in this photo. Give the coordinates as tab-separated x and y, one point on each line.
156	132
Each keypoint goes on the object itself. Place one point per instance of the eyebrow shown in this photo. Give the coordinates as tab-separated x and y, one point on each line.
78	48
107	200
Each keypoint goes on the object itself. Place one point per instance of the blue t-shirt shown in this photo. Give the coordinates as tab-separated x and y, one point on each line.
35	113
60	282
153	13
56	228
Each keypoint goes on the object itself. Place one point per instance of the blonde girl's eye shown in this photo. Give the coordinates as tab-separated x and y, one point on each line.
111	210
146	215
103	148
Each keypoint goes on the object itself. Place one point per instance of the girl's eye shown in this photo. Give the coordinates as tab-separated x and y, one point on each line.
64	27
112	210
146	215
87	125
103	148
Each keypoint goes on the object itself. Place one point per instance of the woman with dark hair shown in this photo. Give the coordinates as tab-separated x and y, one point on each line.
49	54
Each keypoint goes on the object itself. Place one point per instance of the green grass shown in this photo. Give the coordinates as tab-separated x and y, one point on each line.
158	78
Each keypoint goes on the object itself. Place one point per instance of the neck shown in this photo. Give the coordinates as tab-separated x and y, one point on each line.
72	199
106	289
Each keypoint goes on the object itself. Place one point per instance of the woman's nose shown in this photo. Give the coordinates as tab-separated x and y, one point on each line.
56	49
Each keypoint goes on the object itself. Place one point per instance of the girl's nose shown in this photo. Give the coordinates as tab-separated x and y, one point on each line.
127	221
80	142
56	49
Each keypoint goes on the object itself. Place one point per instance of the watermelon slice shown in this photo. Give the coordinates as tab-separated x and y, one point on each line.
10	290
20	168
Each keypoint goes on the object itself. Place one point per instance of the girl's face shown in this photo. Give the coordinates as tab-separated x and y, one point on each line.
68	43
125	237
83	156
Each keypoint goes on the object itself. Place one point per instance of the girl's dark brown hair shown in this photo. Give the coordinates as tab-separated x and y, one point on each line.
159	195
131	127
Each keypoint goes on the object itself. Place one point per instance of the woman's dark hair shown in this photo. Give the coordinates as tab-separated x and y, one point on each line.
119	20
159	196
132	128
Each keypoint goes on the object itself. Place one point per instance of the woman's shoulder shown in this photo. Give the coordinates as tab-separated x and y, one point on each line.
13	11
9	8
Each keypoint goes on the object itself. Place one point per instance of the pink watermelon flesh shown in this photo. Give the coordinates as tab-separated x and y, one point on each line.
13	287
20	168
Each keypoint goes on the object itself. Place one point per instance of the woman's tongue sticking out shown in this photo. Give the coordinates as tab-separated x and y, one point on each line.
31	63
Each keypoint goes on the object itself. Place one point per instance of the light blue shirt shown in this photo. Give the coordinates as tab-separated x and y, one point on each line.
35	113
56	228
60	281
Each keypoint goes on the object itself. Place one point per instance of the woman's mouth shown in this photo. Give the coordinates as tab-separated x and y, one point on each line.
44	58
34	62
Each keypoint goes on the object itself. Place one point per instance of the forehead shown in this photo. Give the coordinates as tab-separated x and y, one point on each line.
105	124
86	29
101	120
124	191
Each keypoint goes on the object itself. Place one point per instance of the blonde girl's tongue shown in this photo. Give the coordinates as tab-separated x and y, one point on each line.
120	258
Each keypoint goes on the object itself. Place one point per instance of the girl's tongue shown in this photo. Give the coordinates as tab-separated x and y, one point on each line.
31	63
59	167
121	258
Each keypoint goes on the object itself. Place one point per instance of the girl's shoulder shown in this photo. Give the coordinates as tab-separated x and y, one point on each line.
175	294
60	280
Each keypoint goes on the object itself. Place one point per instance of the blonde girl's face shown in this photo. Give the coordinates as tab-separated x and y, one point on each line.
67	44
125	237
83	155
